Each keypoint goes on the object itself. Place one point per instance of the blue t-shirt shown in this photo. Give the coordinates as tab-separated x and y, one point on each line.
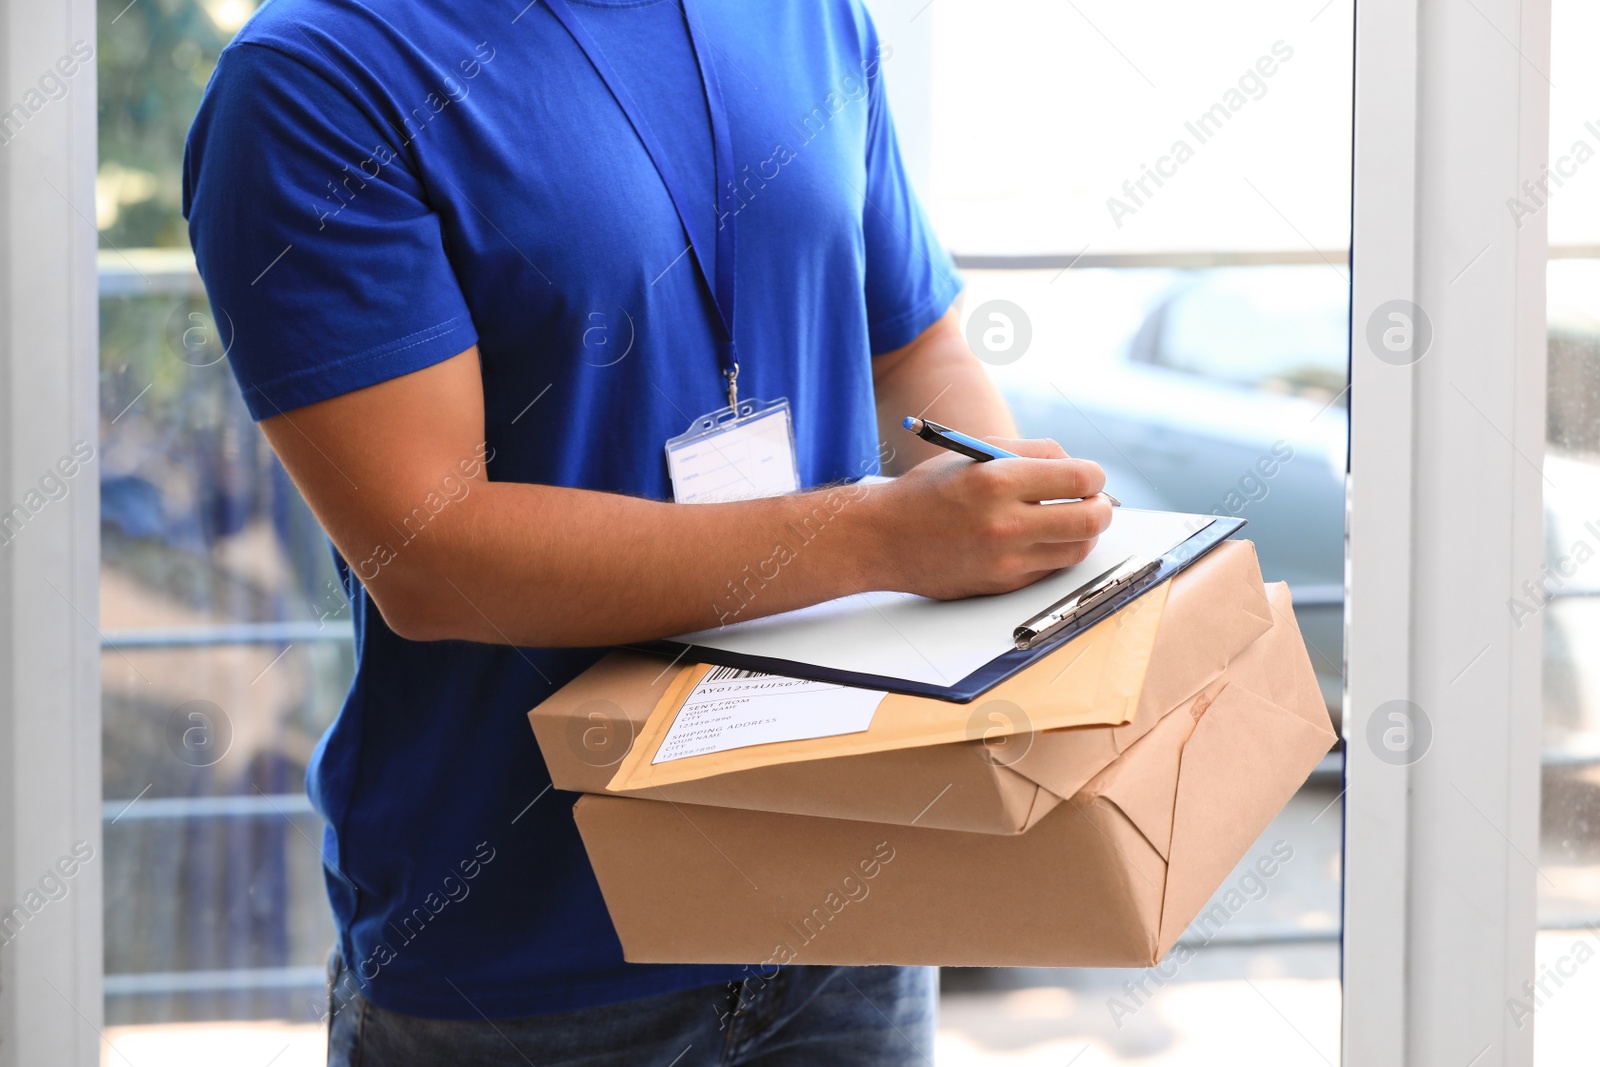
373	189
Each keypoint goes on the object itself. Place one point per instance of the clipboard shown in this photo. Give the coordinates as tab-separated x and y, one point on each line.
976	682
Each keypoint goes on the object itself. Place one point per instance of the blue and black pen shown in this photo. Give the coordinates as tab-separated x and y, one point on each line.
966	445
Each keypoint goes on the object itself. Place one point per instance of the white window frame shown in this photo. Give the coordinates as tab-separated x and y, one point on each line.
51	1004
1445	519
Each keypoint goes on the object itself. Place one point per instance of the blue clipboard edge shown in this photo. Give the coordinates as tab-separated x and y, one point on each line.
996	670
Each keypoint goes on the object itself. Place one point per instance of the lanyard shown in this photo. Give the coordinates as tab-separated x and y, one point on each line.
720	281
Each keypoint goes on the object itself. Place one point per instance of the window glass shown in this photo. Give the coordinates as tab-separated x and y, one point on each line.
1151	203
1099	127
1179	174
1558	997
227	640
1277	329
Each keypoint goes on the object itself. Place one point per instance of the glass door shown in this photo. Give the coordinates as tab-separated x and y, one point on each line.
1557	998
1151	207
227	640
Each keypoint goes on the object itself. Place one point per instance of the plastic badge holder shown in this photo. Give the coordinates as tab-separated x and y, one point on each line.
735	455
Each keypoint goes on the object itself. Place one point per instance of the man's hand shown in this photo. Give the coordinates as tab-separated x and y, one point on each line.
964	528
961	527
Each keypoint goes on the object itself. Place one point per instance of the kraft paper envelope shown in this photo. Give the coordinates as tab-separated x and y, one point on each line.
1093	680
1214	610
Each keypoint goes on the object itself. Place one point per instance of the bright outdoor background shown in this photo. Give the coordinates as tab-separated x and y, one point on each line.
1177	336
1561	1005
1177	339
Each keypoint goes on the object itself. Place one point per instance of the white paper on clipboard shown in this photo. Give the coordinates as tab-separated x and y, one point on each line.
938	642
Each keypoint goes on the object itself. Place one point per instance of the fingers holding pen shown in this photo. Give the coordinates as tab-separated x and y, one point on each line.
1003	522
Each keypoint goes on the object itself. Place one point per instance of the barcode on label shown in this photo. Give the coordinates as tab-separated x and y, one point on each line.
729	674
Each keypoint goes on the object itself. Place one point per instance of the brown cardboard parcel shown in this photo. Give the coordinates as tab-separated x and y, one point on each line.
1110	878
1213	611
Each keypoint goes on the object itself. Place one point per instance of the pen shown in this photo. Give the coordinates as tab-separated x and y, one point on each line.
971	447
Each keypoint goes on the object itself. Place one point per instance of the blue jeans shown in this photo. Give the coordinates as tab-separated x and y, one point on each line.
835	1016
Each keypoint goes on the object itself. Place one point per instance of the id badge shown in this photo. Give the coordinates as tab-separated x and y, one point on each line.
735	455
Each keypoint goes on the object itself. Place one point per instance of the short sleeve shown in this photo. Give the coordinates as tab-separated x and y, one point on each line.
324	264
910	279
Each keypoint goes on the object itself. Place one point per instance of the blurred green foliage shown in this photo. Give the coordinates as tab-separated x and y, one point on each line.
155	57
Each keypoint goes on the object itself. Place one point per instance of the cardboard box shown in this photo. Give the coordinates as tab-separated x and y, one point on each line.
1110	878
1214	610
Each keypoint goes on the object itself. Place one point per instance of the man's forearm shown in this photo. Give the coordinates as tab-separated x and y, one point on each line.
613	568
545	566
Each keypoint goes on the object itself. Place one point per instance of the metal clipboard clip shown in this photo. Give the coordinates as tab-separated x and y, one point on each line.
1095	591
